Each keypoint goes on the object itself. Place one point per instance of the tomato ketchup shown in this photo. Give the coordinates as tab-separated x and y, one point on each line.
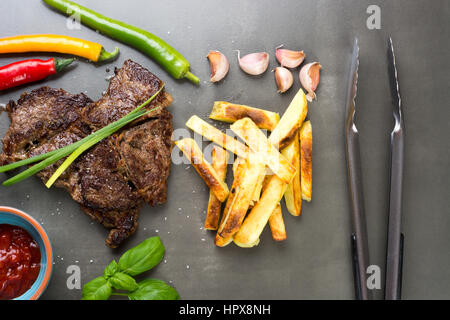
20	261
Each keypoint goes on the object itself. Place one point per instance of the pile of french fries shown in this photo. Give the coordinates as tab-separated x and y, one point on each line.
265	169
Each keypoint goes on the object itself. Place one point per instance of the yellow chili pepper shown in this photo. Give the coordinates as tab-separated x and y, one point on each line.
57	43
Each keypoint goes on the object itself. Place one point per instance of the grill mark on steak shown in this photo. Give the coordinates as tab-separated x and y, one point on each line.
114	178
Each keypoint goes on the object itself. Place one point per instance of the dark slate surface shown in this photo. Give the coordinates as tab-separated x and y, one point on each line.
314	263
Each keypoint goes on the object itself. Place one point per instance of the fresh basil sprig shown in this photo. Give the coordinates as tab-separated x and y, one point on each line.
120	275
142	257
153	289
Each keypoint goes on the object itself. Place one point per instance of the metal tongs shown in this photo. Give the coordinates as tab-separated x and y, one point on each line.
359	239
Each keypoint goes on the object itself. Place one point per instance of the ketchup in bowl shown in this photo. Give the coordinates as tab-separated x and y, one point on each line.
20	261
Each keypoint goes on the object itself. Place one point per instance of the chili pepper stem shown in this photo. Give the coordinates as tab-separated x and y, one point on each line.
60	64
108	56
191	77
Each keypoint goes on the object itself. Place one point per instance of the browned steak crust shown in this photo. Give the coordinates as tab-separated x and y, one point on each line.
113	179
150	140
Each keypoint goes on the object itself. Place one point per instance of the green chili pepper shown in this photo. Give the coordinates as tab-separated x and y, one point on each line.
151	45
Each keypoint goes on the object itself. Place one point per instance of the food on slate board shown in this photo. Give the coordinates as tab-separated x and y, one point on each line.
240	198
219	163
293	194
120	276
289	58
212	133
252	190
57	43
254	63
26	71
248	131
276	224
259	215
284	79
230	112
306	159
212	179
157	49
75	149
113	179
20	261
218	64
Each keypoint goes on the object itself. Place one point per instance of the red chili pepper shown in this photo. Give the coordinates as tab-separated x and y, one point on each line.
26	71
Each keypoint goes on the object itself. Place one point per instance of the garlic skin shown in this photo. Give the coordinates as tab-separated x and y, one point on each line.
309	77
254	63
284	79
289	58
218	64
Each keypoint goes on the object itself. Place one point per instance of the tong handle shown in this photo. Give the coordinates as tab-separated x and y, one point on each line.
355	263
359	229
400	268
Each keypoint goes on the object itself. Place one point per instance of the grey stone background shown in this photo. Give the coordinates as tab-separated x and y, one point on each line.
314	263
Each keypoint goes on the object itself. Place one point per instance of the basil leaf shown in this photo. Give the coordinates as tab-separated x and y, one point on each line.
152	289
97	289
111	269
122	281
143	257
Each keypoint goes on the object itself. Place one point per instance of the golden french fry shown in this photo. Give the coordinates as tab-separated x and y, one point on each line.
236	164
212	179
258	188
293	194
239	200
230	112
276	224
211	133
219	163
247	130
290	121
258	217
306	144
243	245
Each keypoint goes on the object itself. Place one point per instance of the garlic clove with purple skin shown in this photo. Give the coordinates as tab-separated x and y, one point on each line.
284	79
254	63
309	77
218	64
289	58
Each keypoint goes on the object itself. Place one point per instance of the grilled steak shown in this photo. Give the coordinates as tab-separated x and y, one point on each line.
113	179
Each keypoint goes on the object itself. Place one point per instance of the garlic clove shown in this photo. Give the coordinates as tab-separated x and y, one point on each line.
309	77
254	63
284	79
218	64
289	58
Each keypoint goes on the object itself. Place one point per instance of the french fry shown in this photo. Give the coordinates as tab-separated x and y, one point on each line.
244	245
219	163
239	200
276	224
236	164
306	145
258	217
258	188
293	194
230	112
259	184
212	179
247	130
211	133
290	121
